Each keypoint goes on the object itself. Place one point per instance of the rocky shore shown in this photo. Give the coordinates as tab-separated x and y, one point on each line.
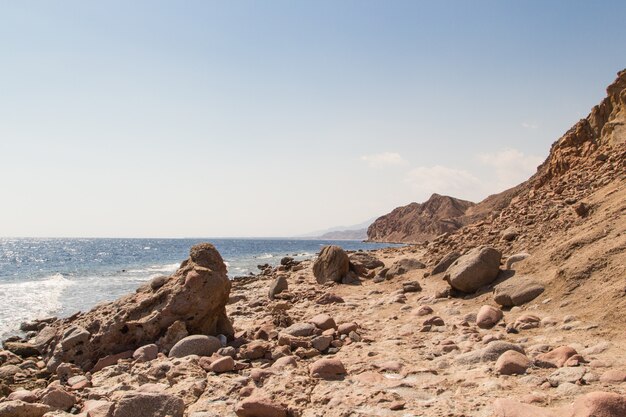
517	315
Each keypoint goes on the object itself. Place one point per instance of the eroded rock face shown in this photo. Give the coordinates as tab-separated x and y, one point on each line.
194	298
332	264
475	269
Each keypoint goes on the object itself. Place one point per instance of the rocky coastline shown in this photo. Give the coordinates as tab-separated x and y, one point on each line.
518	314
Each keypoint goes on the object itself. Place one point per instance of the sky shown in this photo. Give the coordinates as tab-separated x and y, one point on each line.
277	118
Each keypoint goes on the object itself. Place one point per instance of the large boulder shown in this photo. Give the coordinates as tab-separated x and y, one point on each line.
475	269
148	404
197	344
332	264
192	299
517	291
403	266
445	262
19	408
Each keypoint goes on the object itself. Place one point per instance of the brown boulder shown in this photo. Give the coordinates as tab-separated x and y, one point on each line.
555	358
148	404
195	296
475	269
327	369
488	317
332	264
259	407
512	363
517	291
599	404
18	408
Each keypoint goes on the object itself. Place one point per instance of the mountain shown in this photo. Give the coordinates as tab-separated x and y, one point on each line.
359	234
418	222
604	129
357	231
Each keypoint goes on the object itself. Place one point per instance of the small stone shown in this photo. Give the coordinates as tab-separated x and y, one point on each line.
259	407
223	364
512	362
327	369
488	317
195	345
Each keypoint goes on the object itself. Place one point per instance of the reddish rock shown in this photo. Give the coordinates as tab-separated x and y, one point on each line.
323	321
488	316
332	264
285	361
504	407
254	350
98	408
259	407
57	398
144	404
346	328
111	360
223	364
556	358
512	363
23	395
599	404
17	408
146	353
327	369
613	376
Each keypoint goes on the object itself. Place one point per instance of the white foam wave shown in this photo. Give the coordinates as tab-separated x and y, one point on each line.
25	301
265	256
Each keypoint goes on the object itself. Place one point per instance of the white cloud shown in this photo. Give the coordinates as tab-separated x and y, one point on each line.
444	180
384	159
510	166
530	125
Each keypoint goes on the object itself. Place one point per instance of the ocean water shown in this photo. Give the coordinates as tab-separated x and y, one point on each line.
57	277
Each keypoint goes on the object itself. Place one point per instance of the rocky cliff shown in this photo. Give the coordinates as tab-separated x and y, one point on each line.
585	146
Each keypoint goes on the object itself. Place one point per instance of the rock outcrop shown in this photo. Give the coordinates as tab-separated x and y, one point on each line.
192	301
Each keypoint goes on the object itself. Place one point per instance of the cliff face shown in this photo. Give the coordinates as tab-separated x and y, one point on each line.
418	222
589	142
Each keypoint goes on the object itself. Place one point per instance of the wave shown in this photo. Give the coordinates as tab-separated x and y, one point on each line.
28	300
264	256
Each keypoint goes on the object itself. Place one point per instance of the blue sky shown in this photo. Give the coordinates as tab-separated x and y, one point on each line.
250	118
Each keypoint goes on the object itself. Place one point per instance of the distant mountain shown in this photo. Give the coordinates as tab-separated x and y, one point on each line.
359	234
354	232
419	222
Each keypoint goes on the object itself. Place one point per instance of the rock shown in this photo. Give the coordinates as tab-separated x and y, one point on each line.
504	407
149	404
515	258
527	321
158	282
25	350
146	353
555	358
254	350
259	407
195	296
322	342
8	372
285	361
18	408
300	329
488	317
323	322
599	404
346	328
477	268
611	376
327	369
489	353
277	286
23	395
111	360
582	209
411	286
223	364
434	321
98	408
403	266
512	362
196	345
57	398
445	263
424	311
510	234
517	291
571	375
328	298
332	264
363	261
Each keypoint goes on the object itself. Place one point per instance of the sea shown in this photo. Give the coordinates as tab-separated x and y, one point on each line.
58	277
